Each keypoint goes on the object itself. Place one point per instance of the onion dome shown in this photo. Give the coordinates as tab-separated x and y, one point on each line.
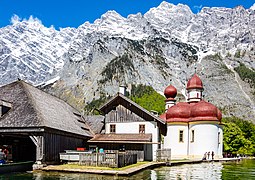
170	92
163	116
219	114
204	111
194	83
179	112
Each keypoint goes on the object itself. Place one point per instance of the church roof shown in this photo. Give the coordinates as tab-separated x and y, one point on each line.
131	105
170	92
33	108
194	83
188	112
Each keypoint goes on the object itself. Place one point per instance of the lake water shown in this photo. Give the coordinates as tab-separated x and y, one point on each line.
244	169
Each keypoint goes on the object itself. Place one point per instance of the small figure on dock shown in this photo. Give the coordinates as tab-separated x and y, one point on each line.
208	155
2	161
204	157
6	152
212	155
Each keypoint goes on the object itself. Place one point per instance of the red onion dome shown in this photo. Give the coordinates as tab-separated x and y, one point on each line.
219	114
204	111
170	92
163	116
195	83
178	113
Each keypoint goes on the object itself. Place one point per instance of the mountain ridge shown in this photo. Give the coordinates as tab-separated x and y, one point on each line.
167	42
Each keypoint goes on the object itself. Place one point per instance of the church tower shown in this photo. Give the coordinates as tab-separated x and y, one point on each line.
170	93
194	89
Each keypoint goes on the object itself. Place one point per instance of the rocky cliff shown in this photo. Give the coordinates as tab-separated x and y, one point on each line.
168	42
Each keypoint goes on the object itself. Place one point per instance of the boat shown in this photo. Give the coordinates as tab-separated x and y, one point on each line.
16	167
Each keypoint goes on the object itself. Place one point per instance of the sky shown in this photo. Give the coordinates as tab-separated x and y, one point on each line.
73	13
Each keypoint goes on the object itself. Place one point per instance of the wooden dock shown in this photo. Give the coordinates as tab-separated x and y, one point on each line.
132	170
125	172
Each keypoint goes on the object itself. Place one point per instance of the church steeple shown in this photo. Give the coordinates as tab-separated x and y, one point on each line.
170	93
194	89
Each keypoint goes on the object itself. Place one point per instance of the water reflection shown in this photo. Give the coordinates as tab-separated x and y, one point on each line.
213	171
191	171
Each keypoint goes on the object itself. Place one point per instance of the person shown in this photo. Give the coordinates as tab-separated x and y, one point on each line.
6	152
2	161
212	155
208	155
204	157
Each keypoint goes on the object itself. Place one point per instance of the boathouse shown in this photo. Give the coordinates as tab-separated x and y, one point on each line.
37	126
129	127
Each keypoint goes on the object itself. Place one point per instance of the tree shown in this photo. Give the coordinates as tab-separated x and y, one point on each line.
239	136
148	98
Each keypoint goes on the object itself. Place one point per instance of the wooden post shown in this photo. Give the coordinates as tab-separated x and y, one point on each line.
39	143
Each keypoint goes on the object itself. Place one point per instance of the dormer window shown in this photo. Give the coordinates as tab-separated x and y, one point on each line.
4	107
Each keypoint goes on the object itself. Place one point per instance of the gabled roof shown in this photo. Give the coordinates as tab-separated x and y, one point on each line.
131	105
31	107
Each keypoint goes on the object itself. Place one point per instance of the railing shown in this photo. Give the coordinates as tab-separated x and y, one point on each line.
98	159
108	159
163	155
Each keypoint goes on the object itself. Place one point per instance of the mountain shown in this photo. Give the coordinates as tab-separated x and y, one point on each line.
168	42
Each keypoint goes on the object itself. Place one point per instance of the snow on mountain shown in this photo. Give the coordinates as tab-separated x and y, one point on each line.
253	7
165	43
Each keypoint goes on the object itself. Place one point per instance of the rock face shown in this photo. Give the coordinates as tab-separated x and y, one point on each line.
167	42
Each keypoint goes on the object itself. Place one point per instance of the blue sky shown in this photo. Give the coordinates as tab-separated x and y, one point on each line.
72	13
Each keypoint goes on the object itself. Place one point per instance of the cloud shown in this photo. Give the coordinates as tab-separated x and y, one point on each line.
197	8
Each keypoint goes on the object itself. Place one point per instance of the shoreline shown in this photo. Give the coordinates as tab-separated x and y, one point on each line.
133	170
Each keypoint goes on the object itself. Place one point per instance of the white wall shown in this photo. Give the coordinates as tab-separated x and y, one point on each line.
133	128
220	146
194	95
205	140
171	140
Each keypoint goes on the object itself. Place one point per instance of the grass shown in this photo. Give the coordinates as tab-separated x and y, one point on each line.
77	166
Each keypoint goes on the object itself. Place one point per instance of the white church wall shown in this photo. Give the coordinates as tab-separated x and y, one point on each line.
220	146
171	140
205	139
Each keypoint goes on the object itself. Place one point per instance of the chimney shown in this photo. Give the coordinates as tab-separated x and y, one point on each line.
123	89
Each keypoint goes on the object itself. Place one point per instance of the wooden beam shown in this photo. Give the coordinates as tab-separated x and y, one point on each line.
39	143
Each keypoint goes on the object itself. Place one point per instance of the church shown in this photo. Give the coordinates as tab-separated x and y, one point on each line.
193	127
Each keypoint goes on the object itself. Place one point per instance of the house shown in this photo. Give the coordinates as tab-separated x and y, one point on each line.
193	127
129	127
38	126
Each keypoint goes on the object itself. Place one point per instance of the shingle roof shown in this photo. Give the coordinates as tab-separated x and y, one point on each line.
31	107
140	111
118	138
96	123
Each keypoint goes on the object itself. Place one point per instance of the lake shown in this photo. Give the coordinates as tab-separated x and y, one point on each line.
244	169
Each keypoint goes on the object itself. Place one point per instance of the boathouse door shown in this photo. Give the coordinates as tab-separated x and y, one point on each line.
20	147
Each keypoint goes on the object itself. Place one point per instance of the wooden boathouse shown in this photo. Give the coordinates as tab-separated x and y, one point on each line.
37	126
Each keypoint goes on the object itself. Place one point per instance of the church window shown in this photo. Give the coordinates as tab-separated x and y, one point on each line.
218	137
141	128
192	135
112	128
181	136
